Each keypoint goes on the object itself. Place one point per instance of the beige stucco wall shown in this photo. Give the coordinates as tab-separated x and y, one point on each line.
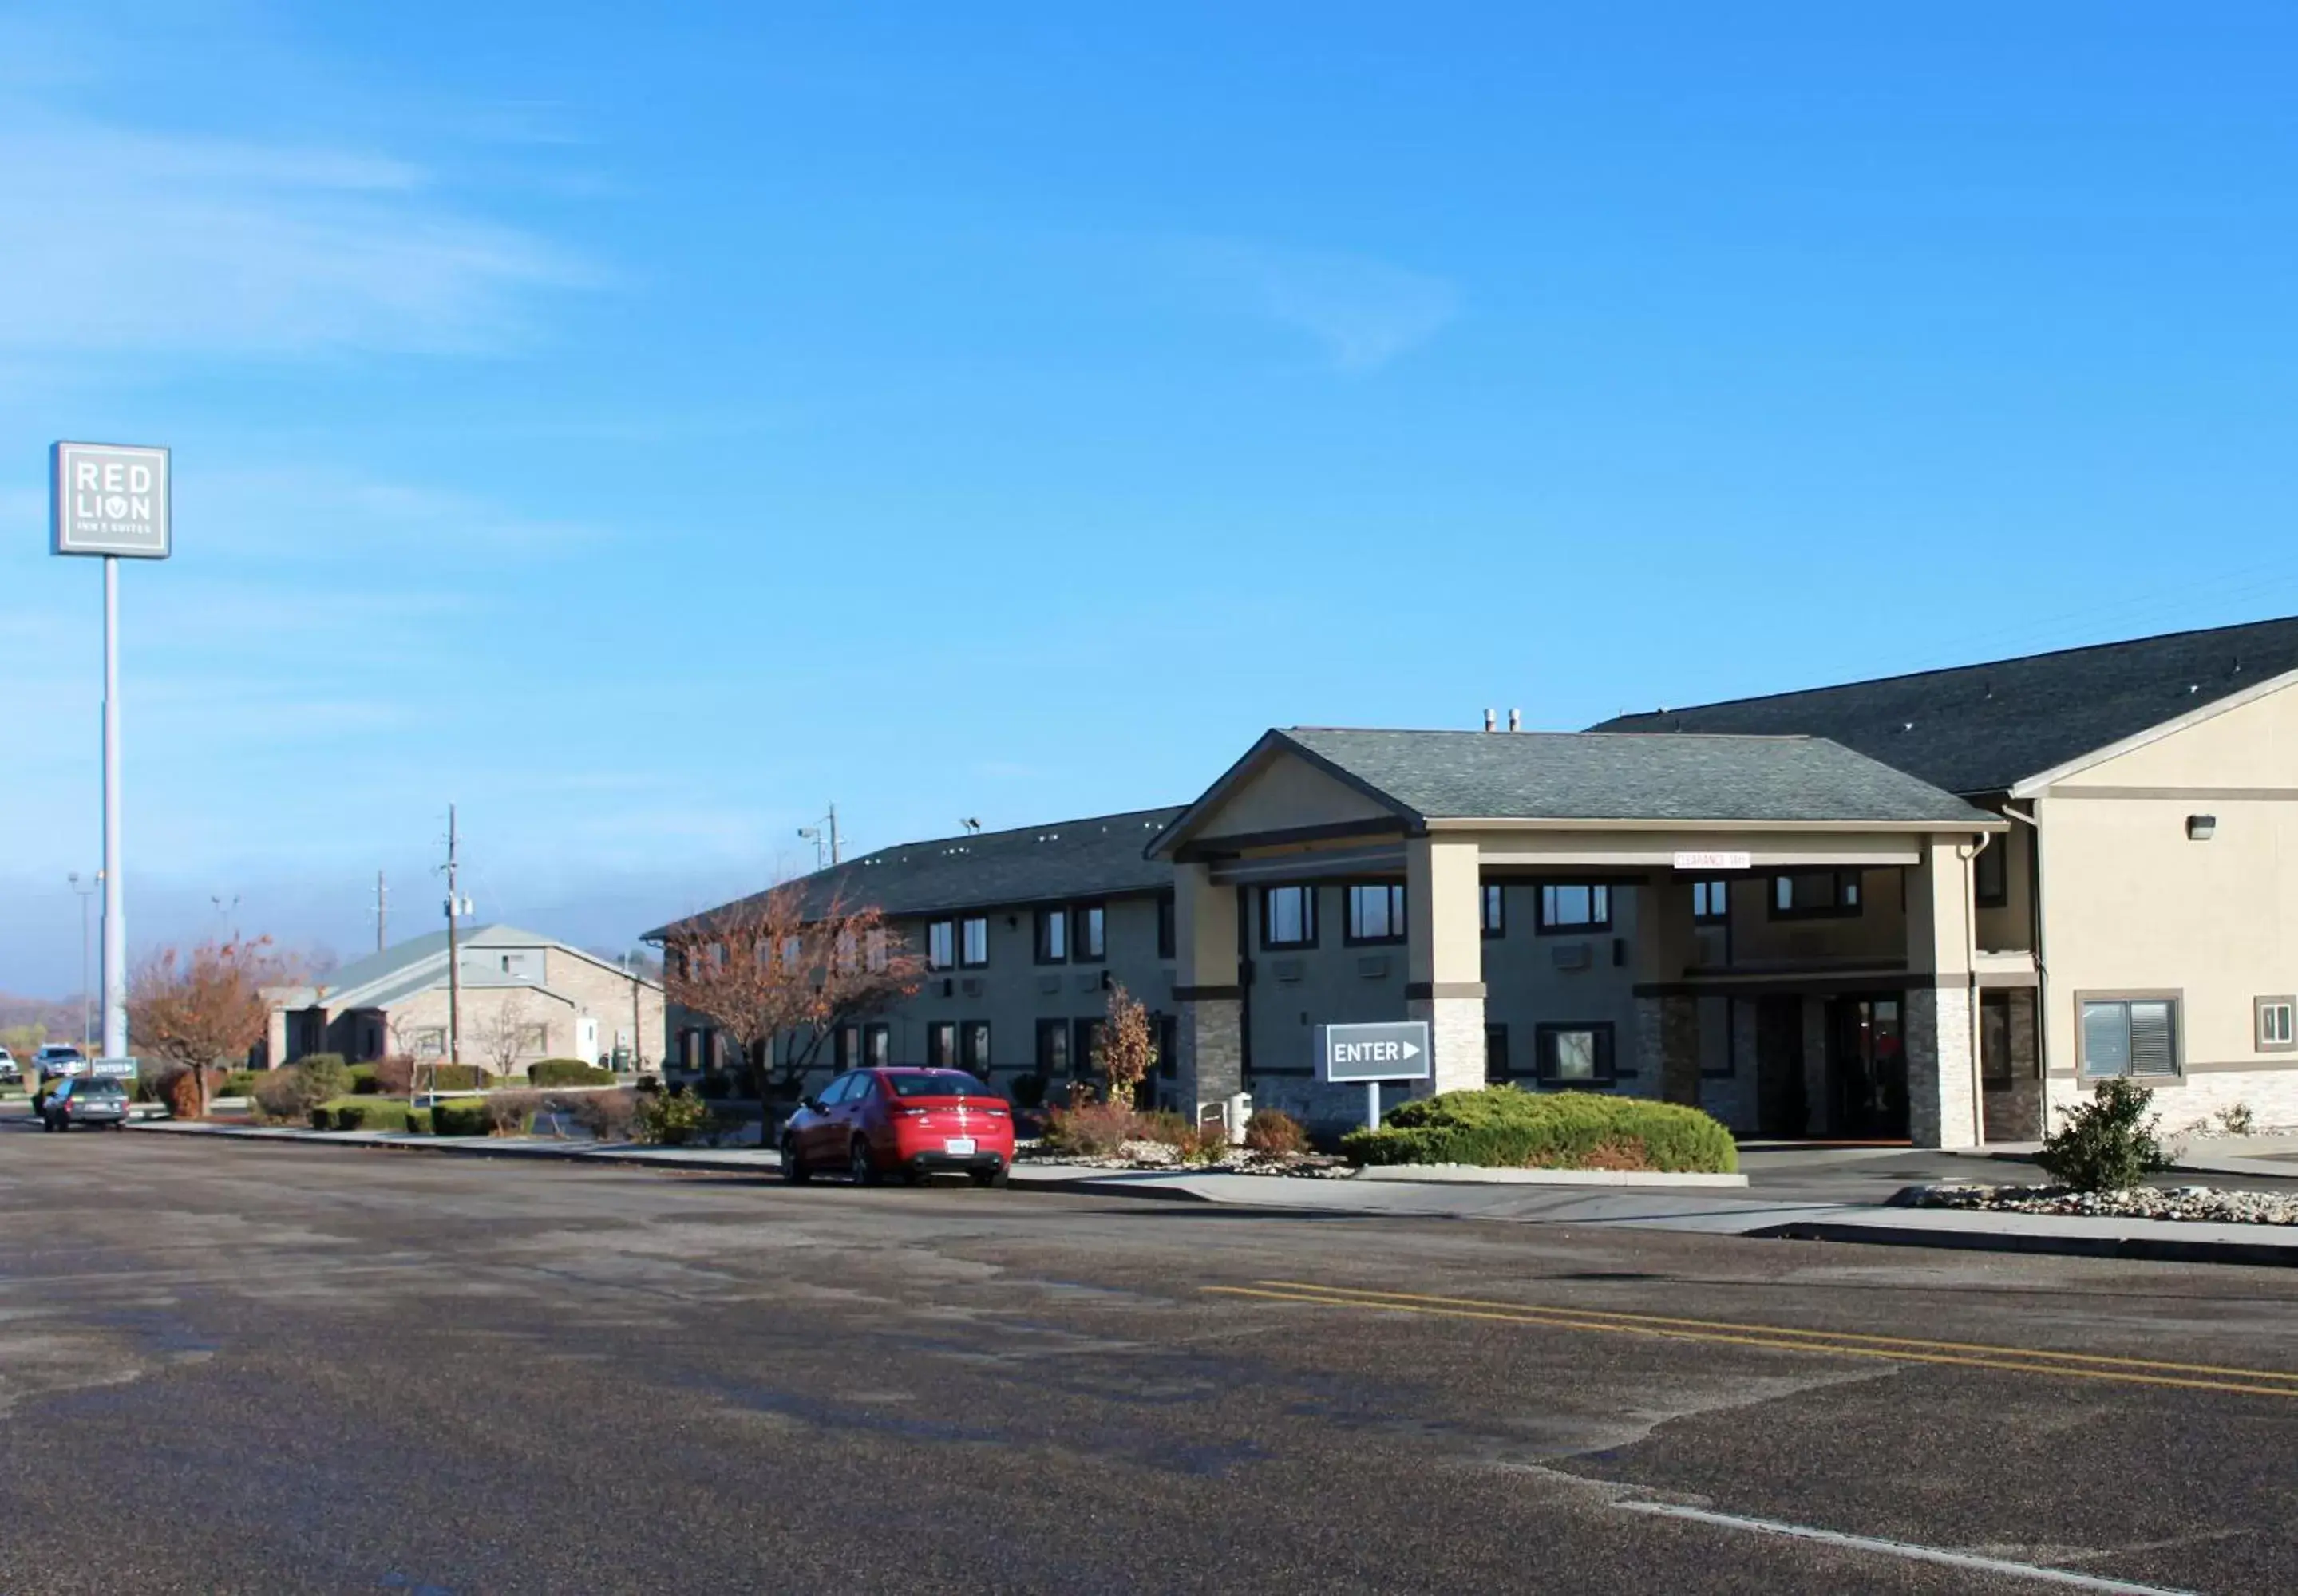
1289	793
573	988
2130	903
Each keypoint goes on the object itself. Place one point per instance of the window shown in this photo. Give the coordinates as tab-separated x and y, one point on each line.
1168	1046
941	1044
973	1047
1053	936
430	1041
1167	940
2129	1036
1053	1047
1090	923
877	951
1990	876
941	945
1496	1058
949	1085
973	941
1375	912
1576	1055
534	1039
877	1045
843	1048
2275	1033
1083	1045
1288	917
1815	894
1995	1039
1711	902
1574	906
1495	910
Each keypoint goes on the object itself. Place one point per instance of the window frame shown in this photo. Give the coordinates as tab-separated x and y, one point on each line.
966	958
1308	917
2259	1008
1836	911
1599	892
1491	909
877	1045
1607	1076
973	1037
1086	1033
1715	888
2084	1002
1496	1052
1393	892
1082	917
1998	1000
1999	851
1047	923
945	931
1168	926
941	1044
1049	1030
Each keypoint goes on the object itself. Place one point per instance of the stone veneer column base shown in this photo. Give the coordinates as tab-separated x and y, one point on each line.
1211	1040
1456	1033
1939	1021
1667	1049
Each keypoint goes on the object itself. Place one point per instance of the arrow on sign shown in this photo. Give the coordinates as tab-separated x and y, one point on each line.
1410	1051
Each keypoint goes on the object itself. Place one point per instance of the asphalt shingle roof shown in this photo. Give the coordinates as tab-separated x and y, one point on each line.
1984	729
1092	858
1578	775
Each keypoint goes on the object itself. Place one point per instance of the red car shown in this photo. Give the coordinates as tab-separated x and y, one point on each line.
908	1122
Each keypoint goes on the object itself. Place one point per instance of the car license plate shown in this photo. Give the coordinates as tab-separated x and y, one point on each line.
961	1146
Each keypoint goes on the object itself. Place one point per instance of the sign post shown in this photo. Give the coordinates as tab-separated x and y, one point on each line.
1374	1054
111	500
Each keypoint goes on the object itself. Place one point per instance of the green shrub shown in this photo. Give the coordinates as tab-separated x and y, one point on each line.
673	1120
461	1116
2107	1144
323	1075
418	1121
451	1077
356	1113
1506	1127
568	1071
363	1080
240	1083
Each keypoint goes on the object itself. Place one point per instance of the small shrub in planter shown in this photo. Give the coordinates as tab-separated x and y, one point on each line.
322	1075
568	1071
1092	1130
394	1077
418	1121
1204	1143
1506	1127
1273	1131
511	1113
2107	1144
283	1097
240	1083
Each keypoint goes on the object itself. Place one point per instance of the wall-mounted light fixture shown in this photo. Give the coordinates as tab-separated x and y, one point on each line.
2201	828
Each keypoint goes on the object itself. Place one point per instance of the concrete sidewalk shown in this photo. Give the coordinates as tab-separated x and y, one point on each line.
1782	1215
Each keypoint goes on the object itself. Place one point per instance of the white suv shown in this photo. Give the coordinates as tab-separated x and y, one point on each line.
59	1059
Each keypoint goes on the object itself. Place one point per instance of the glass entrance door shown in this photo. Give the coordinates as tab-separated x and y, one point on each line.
1869	1068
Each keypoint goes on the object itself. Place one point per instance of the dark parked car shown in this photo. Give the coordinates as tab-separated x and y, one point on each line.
85	1100
908	1122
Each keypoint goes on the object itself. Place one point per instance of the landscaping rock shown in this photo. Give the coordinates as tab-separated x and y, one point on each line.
2198	1203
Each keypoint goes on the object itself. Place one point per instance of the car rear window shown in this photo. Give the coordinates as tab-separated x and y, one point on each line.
941	1084
99	1088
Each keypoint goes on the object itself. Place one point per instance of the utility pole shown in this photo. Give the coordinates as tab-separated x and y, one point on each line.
814	834
454	965
834	855
381	911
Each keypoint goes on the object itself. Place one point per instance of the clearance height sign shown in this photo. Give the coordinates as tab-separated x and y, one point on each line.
110	499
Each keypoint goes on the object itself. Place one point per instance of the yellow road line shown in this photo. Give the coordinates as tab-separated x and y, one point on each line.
1564	1320
1774	1329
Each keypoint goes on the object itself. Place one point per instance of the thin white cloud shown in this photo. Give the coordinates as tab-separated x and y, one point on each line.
122	238
1362	313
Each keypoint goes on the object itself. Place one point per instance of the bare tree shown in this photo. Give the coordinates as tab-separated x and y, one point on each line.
1127	1051
763	967
504	1037
204	1009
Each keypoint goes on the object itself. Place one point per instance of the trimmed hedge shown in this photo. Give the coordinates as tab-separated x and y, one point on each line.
242	1084
568	1071
363	1081
451	1077
460	1116
1506	1127
361	1114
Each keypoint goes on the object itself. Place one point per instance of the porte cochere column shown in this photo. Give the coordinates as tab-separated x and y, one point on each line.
1207	993
1444	963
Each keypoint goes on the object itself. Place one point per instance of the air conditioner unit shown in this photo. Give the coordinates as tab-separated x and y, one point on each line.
971	985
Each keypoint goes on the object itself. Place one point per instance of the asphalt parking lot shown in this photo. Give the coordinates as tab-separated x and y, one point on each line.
251	1367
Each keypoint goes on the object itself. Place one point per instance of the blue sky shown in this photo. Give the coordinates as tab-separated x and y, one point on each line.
645	426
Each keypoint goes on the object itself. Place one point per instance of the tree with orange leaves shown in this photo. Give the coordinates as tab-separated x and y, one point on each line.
763	968
202	1010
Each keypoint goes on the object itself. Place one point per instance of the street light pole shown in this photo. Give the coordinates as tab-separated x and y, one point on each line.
86	995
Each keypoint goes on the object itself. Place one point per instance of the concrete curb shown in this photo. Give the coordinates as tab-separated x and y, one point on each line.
1470	1174
2152	1249
757	1162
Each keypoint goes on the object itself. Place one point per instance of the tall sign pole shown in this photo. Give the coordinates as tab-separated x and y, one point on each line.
111	500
